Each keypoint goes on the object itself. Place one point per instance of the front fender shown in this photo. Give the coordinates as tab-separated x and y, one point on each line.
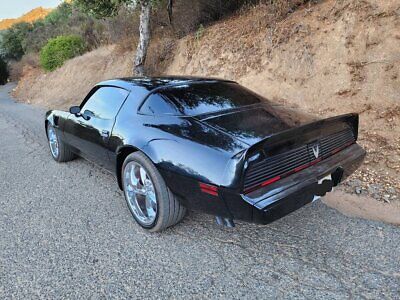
56	119
49	118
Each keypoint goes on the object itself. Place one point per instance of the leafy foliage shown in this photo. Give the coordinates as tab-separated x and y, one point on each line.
25	37
101	8
13	40
59	15
110	8
66	19
3	71
60	49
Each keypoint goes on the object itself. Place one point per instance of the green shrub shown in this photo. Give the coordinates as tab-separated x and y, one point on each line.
199	32
58	50
3	72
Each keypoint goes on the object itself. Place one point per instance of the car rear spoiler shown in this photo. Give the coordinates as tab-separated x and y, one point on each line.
305	134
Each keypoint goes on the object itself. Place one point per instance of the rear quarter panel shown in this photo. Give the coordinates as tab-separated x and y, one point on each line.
184	150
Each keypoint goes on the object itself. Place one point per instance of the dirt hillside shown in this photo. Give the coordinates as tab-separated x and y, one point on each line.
68	85
331	58
328	58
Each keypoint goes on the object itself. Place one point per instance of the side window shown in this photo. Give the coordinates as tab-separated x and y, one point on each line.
105	102
158	104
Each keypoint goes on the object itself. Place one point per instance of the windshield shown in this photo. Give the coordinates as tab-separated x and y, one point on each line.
208	97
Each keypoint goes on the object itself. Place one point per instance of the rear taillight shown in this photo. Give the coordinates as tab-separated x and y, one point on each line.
262	171
264	183
208	188
334	151
274	179
269	181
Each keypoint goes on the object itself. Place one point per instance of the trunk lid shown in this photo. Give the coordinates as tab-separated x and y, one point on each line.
255	123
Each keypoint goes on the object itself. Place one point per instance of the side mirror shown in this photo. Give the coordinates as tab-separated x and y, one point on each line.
75	110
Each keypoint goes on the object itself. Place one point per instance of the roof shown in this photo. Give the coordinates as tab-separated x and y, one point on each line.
151	83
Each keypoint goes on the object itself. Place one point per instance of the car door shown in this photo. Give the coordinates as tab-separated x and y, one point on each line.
89	131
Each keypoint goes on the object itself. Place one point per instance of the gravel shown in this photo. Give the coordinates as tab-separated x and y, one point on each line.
66	233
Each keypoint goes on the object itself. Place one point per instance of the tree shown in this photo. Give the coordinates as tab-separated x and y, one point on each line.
13	40
108	8
144	38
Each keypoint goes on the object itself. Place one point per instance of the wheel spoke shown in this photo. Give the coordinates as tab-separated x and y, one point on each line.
53	141
143	175
140	193
133	177
151	201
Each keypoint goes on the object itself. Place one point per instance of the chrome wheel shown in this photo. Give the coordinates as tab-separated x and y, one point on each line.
53	141
140	193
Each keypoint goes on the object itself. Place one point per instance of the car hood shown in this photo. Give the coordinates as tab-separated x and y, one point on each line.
253	124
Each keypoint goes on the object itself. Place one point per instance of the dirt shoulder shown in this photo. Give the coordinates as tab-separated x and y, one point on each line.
363	207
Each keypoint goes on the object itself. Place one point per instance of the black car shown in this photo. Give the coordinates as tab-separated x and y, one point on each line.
205	144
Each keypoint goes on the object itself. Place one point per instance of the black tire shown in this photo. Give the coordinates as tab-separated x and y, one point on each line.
64	151
169	210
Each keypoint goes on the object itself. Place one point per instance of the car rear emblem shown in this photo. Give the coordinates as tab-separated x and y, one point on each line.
315	150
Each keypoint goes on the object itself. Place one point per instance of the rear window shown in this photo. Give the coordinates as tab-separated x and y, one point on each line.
201	98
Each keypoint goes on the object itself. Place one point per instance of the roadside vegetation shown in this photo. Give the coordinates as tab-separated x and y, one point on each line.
100	23
67	19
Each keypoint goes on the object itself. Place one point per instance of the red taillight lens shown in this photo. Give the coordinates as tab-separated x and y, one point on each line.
297	169
208	188
269	181
341	148
265	183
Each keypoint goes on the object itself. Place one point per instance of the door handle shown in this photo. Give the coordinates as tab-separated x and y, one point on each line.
105	133
87	114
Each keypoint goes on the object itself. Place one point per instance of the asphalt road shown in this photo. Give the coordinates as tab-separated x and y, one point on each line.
66	232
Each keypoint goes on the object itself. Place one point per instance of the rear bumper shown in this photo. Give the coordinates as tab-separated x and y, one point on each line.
289	194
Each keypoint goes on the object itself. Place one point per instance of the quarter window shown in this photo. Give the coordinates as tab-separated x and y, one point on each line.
158	104
105	102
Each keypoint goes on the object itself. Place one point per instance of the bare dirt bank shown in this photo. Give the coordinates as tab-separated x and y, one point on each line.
331	58
68	85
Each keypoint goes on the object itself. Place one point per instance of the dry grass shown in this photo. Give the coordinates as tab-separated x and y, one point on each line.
19	68
69	84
